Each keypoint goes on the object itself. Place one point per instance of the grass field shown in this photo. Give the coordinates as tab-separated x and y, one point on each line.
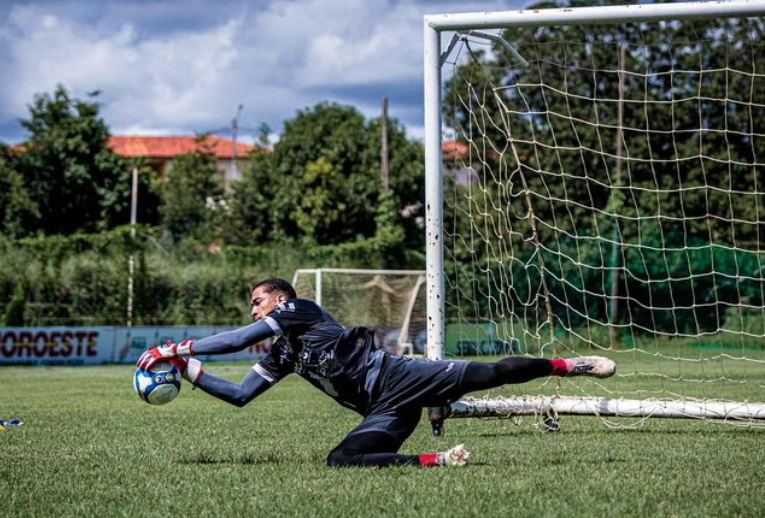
89	447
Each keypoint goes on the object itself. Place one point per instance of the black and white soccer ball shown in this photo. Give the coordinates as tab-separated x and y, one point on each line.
159	385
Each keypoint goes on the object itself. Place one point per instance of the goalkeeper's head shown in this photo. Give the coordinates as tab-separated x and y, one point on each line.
265	295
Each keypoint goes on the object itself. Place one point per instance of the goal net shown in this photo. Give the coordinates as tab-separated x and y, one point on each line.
392	302
601	190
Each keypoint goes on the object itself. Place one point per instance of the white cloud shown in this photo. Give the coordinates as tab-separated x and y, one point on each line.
177	81
274	58
386	52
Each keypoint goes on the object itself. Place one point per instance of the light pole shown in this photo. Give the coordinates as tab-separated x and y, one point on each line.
233	174
131	262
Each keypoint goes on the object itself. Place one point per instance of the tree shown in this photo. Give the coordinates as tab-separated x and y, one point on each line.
193	202
321	184
18	212
116	193
77	183
251	200
15	309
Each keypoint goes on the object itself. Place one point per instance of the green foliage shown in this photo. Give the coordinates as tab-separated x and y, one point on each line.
251	202
82	278
18	212
55	249
14	311
321	184
384	250
314	201
74	180
264	132
117	193
193	203
316	213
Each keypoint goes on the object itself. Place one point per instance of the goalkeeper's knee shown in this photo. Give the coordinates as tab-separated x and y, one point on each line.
338	459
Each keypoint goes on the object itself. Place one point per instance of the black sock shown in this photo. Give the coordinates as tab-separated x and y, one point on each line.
484	376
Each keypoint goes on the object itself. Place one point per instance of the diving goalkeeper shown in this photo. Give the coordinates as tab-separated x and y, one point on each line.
388	391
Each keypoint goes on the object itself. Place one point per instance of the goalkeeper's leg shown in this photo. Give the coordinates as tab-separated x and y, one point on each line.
378	449
484	376
368	445
369	449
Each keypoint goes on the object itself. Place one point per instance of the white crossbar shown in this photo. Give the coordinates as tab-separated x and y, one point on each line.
594	15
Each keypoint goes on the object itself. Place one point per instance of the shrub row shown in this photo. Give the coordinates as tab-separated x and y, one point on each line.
83	279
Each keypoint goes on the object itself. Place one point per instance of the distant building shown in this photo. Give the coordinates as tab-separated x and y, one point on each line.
454	150
456	159
160	152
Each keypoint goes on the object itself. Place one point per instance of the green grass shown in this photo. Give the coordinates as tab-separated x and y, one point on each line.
89	447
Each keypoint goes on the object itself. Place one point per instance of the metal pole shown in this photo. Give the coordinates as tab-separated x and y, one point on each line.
384	148
131	262
318	286
614	313
433	194
233	174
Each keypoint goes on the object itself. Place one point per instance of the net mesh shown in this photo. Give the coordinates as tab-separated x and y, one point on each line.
607	198
391	303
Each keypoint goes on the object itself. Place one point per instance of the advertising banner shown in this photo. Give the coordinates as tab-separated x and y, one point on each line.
105	344
56	345
121	344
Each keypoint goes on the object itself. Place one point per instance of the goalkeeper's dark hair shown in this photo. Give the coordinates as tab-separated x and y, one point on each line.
277	284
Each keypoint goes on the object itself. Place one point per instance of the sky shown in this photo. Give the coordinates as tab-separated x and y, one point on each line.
181	67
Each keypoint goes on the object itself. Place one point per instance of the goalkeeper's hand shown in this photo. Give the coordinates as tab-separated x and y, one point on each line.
167	352
190	369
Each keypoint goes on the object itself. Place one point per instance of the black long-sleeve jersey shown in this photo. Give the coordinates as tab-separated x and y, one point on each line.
343	363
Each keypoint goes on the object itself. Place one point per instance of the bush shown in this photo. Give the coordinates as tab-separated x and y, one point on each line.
83	279
14	311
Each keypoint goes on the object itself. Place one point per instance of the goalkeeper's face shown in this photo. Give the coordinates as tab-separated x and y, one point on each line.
263	302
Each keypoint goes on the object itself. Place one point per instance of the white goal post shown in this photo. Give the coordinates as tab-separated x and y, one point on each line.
392	302
614	209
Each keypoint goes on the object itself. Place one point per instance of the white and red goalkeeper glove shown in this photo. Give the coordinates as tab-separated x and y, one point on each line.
167	352
190	369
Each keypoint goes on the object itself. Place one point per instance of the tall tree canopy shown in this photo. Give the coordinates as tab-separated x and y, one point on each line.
322	182
75	182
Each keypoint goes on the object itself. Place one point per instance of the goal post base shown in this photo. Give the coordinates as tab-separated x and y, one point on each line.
605	407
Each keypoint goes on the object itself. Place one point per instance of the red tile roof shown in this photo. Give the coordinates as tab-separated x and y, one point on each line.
168	147
452	149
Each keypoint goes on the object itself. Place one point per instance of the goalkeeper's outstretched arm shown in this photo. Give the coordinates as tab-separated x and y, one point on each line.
238	394
233	341
222	343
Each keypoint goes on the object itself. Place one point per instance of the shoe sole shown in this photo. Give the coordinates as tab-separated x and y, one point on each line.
603	367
